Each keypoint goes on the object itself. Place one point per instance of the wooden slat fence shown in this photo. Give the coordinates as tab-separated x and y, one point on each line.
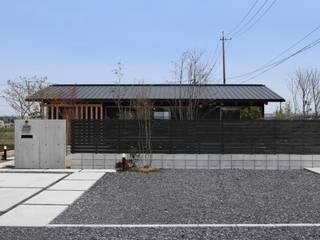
199	136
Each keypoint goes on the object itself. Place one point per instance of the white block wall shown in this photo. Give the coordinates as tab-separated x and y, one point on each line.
203	161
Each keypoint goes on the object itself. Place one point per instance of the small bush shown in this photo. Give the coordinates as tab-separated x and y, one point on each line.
144	170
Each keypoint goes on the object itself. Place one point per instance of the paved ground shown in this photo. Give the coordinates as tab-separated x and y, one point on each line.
8	163
200	196
286	203
36	197
16	187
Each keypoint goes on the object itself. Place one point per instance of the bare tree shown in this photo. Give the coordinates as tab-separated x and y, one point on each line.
315	90
118	91
21	95
304	86
144	108
191	71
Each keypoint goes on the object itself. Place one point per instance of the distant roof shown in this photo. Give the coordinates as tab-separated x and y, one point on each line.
257	92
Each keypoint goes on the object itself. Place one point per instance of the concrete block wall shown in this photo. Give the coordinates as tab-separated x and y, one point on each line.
94	161
203	161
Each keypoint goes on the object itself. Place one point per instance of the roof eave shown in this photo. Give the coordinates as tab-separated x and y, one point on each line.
159	99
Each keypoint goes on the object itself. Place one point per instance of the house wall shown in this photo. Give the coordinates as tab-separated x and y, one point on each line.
69	110
108	109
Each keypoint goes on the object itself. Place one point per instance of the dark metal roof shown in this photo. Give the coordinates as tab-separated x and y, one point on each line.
240	92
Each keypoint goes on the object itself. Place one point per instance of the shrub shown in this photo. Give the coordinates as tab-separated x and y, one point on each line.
251	113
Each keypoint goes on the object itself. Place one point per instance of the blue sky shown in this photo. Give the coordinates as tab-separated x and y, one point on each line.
81	41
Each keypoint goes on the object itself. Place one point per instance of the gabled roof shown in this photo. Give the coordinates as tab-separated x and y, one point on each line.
242	92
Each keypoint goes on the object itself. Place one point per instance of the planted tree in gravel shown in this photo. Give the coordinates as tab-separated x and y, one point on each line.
144	107
119	92
191	71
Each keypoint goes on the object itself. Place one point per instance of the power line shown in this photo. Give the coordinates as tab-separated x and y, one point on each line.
271	66
215	52
269	63
238	28
251	19
258	19
295	44
242	20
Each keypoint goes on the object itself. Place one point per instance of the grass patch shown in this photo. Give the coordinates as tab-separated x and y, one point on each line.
144	170
7	136
6	130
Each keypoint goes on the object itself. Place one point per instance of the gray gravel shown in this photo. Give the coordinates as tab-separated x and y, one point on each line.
199	196
162	233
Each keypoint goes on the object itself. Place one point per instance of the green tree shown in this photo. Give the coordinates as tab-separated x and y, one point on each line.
251	113
285	113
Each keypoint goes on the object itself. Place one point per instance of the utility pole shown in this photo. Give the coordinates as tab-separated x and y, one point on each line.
223	57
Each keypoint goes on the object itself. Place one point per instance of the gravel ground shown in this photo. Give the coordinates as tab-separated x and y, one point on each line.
163	233
199	196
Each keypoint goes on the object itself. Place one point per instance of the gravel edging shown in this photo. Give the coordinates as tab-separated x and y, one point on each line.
158	233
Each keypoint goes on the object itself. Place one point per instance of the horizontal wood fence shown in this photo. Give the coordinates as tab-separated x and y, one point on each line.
199	136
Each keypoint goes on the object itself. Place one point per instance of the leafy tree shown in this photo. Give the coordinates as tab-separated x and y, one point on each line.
286	113
251	113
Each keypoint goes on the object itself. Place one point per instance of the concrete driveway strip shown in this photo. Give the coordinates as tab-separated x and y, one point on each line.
31	215
99	170
73	185
12	196
55	197
42	208
85	176
28	180
314	170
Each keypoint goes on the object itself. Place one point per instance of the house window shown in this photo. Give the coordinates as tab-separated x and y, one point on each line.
230	113
161	115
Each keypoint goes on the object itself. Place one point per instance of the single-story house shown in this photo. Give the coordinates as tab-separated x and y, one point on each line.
169	101
101	101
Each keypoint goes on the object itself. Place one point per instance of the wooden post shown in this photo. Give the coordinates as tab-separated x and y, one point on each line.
42	110
91	113
47	111
81	112
77	115
86	111
96	112
57	112
101	112
52	109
